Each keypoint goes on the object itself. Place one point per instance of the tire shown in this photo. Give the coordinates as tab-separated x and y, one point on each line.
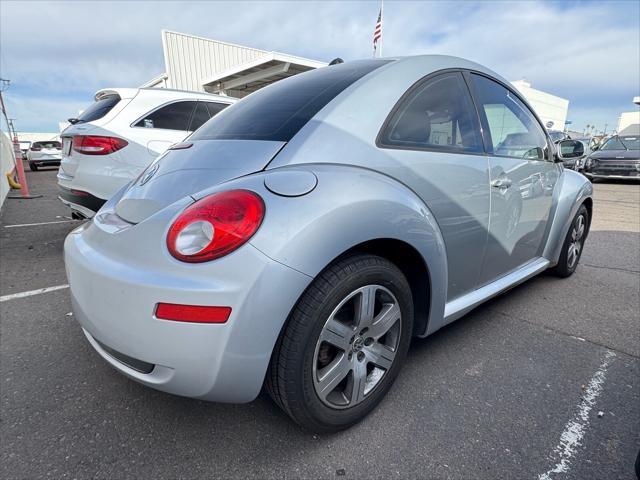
295	379
33	167
568	261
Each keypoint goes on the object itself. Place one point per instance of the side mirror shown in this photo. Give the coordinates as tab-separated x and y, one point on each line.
567	149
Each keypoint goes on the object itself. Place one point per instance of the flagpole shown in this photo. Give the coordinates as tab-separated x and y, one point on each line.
381	23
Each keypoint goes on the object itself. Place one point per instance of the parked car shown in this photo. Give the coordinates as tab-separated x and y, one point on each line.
44	154
302	237
618	157
113	140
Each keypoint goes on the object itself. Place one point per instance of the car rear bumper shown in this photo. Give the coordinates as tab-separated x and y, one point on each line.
83	202
114	301
46	162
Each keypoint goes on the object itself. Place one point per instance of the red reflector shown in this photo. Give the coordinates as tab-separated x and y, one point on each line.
192	313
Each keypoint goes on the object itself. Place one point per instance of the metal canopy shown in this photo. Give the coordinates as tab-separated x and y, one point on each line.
245	78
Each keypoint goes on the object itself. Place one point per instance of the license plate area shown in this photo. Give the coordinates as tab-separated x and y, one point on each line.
66	146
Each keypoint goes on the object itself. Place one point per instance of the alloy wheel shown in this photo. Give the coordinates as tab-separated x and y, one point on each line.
357	346
575	245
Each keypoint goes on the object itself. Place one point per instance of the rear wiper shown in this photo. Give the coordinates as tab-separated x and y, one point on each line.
73	121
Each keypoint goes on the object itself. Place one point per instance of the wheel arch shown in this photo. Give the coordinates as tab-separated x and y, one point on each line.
413	267
357	209
574	190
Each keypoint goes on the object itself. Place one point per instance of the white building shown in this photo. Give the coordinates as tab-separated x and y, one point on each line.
551	109
627	119
204	65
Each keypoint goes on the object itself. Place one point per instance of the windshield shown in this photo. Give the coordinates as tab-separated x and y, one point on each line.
278	111
51	144
622	143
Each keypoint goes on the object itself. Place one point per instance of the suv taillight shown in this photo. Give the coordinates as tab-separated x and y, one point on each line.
215	226
97	145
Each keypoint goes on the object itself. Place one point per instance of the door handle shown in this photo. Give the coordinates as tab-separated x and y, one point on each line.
501	183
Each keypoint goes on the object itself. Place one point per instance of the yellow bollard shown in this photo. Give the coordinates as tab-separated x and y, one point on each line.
12	183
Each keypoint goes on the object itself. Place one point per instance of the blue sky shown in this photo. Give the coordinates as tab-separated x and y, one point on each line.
57	54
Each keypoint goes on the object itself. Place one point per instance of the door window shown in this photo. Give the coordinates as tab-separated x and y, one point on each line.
200	116
513	129
437	115
175	116
215	108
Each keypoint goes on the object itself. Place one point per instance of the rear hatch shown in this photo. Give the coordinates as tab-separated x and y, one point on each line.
179	173
107	105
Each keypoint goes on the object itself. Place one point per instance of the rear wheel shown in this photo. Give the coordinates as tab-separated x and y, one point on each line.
343	345
33	167
573	244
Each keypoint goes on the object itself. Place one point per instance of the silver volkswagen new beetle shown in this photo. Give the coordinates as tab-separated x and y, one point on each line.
303	236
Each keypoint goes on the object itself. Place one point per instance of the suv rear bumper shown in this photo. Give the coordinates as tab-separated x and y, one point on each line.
49	162
82	202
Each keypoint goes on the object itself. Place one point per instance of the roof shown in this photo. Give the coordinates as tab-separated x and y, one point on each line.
201	64
248	77
163	92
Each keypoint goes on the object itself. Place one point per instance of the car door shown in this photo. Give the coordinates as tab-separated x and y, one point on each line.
436	150
522	174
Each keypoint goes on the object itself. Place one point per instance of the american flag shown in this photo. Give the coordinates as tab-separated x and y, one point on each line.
377	32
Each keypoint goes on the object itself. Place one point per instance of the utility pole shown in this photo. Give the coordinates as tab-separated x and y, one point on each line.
604	132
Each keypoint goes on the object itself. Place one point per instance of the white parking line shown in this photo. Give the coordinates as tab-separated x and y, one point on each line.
575	428
4	298
36	224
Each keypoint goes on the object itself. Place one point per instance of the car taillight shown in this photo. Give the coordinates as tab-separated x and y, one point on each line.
97	145
215	226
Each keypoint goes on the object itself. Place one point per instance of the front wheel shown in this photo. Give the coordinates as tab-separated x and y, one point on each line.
343	345
573	244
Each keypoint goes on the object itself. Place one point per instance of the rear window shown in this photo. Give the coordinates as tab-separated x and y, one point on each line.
98	109
279	111
51	144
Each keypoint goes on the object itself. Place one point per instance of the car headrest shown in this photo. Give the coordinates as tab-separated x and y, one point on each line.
414	127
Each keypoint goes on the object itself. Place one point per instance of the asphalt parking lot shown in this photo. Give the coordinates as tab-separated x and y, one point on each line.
542	380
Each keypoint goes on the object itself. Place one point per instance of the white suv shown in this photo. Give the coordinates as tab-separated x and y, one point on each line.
113	140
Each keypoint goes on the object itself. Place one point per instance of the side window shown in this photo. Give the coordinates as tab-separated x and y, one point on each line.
175	116
514	131
204	111
215	108
200	116
437	115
